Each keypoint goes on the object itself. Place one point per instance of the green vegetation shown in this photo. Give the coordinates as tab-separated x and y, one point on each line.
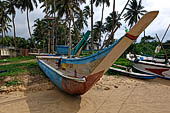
30	68
123	62
16	59
12	83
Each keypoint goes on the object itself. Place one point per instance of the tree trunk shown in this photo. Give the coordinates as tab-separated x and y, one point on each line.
92	37
55	27
65	34
115	23
53	37
100	30
70	40
13	21
48	34
2	37
48	41
30	29
113	13
43	45
113	19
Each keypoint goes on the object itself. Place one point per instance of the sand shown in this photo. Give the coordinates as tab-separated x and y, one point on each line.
112	94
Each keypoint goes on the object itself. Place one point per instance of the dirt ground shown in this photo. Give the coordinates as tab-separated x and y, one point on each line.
112	94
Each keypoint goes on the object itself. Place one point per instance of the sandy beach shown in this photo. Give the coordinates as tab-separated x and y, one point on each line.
112	94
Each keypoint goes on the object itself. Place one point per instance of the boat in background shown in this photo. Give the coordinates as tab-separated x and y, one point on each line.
148	58
157	67
77	75
63	49
128	72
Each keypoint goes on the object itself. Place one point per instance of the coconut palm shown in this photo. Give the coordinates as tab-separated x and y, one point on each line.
4	19
110	21
28	6
82	17
50	9
68	8
92	34
134	12
40	31
98	27
12	4
46	4
99	3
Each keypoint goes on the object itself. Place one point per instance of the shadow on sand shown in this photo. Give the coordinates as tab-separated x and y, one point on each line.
52	101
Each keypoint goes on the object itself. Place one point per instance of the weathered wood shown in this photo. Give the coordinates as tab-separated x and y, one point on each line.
126	42
78	75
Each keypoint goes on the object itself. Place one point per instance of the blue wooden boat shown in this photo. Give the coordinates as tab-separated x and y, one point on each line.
133	74
63	49
77	75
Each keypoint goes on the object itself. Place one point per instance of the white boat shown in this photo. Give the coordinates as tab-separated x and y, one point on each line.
160	69
133	74
145	58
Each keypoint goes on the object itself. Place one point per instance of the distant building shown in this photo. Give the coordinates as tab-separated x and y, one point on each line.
7	51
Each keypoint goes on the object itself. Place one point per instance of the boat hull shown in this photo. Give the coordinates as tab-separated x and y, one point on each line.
160	70
133	74
67	85
77	75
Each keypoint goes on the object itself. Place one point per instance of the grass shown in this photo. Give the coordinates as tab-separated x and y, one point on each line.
87	53
21	68
124	62
13	83
16	59
120	61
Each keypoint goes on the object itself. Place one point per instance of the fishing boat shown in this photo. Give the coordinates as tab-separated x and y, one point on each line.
77	75
161	70
63	49
147	58
130	73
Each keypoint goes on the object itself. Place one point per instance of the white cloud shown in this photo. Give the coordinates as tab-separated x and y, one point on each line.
158	26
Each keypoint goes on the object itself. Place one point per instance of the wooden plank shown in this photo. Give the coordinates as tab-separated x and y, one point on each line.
118	50
49	57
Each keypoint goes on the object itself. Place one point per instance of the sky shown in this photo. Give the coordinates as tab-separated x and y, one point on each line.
158	26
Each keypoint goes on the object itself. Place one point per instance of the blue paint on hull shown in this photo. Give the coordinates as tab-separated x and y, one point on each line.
54	77
63	50
96	56
134	74
158	76
142	77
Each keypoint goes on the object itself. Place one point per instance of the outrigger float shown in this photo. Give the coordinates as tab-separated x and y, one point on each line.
77	75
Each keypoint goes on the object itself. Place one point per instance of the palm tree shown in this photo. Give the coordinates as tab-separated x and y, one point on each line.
113	13
110	21
102	2
11	10
134	12
40	31
92	34
98	27
68	7
51	10
28	6
82	17
4	19
46	4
